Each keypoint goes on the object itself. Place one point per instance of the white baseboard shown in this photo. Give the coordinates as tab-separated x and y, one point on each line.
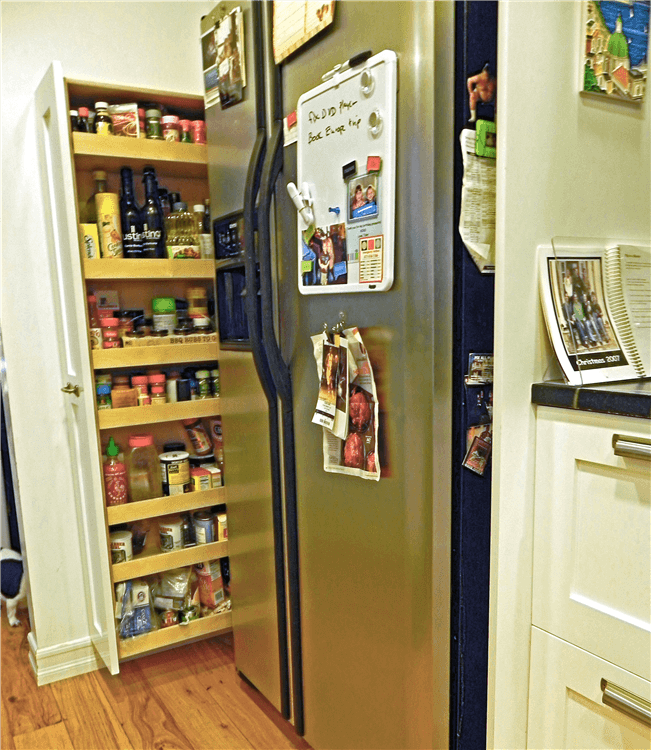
64	660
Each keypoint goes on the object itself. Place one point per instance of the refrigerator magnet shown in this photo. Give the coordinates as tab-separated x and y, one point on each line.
373	163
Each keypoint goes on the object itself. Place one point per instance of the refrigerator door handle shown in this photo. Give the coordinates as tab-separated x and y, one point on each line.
282	380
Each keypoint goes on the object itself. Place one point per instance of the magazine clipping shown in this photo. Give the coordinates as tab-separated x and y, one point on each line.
350	446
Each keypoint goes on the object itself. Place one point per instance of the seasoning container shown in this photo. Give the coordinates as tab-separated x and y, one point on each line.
214	378
171	533
221	527
153	127
170	387
104	397
115	476
158	395
204	527
121	381
110	337
215	475
197	302
198	131
170	124
183	389
103	121
203	381
200	479
175	472
186	136
164	313
121	546
139	382
141	123
198	436
125	324
74	120
107	209
84	124
189	539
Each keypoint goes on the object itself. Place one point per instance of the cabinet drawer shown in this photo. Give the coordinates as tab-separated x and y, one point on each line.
592	575
566	708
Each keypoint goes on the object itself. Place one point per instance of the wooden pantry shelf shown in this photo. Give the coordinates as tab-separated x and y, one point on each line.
211	625
156	561
148	268
164	506
111	153
166	354
129	416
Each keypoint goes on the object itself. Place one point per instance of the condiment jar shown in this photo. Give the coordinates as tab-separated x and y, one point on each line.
170	125
186	136
198	130
197	302
203	379
153	128
139	382
143	468
104	397
74	120
103	121
110	336
158	395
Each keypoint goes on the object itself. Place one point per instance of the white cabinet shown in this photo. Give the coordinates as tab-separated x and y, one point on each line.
592	537
566	700
591	595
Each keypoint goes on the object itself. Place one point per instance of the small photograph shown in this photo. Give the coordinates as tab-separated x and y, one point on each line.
209	49
578	296
324	257
363	197
477	457
230	59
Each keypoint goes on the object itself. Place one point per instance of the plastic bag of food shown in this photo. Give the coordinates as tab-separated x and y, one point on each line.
134	609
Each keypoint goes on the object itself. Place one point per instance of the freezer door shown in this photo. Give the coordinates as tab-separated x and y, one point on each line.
260	654
375	556
74	368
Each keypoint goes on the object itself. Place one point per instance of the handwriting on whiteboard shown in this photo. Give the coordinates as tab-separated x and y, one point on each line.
345	119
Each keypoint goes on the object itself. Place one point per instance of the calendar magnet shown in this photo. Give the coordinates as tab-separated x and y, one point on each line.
373	163
348	170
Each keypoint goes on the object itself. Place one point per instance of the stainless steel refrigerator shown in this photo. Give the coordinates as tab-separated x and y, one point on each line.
340	586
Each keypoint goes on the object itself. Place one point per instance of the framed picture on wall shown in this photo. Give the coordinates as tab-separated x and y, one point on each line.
615	49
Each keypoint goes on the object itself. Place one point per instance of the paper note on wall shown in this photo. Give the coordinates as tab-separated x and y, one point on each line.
296	21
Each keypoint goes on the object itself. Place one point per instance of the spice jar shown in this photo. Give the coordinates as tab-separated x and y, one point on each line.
186	136
153	128
198	130
104	397
139	382
170	125
141	123
158	395
110	336
103	120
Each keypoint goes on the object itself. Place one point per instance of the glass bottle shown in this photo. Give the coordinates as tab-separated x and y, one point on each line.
74	120
206	217
184	243
130	217
84	125
153	224
199	214
143	468
100	187
103	121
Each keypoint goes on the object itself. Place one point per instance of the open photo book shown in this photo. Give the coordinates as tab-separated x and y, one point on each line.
596	299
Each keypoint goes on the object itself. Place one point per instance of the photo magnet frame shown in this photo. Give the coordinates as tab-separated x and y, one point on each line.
349	246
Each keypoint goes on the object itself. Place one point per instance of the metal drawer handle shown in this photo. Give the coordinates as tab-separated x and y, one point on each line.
632	447
620	699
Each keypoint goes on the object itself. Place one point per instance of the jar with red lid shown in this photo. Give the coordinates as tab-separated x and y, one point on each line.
110	336
186	136
156	379
170	125
158	395
198	131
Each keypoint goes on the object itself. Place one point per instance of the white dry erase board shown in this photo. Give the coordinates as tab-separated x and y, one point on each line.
347	162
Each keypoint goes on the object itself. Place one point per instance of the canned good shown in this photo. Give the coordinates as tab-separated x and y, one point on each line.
121	546
204	528
171	533
175	472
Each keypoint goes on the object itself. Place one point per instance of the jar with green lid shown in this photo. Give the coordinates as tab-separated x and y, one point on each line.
153	126
164	313
203	378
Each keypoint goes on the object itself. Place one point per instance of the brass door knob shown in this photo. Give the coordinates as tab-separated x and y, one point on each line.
70	388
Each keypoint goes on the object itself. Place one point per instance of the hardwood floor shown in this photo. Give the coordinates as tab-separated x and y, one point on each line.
188	698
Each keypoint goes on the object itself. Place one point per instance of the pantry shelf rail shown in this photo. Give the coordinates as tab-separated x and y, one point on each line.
107	359
211	625
155	561
164	506
148	268
131	416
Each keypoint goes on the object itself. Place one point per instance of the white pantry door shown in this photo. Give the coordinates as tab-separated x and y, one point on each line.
74	366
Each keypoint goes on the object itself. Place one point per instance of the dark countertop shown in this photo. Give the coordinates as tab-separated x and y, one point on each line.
630	398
